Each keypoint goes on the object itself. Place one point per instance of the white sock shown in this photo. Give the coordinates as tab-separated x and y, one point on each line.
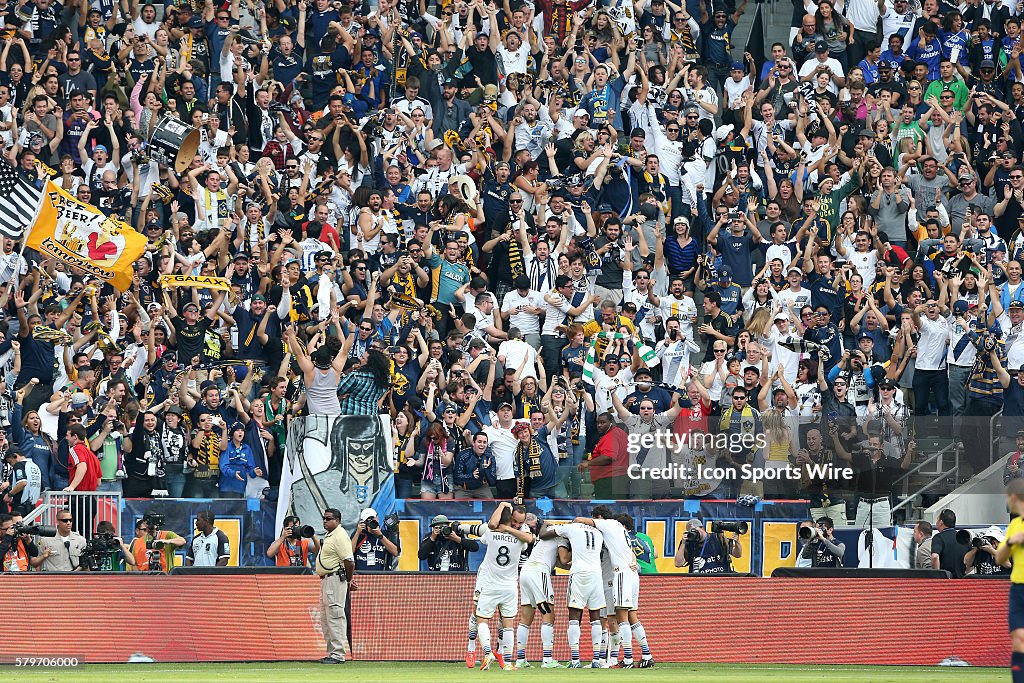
522	638
596	634
547	637
484	636
641	637
507	642
471	645
626	639
573	635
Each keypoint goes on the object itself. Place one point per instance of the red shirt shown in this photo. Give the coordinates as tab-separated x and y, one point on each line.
81	454
692	419
614	444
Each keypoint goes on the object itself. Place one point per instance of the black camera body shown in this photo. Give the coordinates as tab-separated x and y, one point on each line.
445	530
301	531
96	554
372	523
692	536
154	521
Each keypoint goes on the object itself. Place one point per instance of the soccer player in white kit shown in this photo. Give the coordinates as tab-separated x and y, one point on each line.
536	594
585	586
625	586
497	579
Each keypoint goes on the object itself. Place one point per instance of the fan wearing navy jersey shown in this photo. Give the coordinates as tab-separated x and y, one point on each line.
625	586
497	579
536	594
585	586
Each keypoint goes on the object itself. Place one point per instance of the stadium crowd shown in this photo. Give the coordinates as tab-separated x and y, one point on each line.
495	221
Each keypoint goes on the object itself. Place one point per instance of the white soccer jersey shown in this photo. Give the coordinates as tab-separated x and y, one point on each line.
544	554
500	566
586	544
616	542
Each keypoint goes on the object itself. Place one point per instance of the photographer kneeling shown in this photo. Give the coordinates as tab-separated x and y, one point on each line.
712	553
819	546
153	549
443	548
296	546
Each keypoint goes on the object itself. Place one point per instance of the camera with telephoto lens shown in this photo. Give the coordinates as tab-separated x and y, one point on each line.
445	530
729	527
807	533
372	523
23	529
301	531
692	536
969	538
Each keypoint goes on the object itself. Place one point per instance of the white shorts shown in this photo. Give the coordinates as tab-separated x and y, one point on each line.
586	591
625	589
504	599
535	587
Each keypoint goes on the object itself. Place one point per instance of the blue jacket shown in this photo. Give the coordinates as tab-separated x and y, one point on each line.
466	461
238	459
34	447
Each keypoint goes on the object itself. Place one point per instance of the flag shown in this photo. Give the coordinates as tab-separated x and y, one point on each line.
19	201
83	237
588	366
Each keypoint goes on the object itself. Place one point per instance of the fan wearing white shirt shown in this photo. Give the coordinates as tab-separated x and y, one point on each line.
522	308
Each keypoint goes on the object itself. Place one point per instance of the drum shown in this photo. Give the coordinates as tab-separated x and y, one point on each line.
174	144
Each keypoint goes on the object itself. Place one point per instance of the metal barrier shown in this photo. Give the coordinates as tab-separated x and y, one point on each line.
87	508
993	441
908	497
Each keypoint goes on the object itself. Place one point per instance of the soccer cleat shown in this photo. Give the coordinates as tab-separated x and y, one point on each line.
486	663
552	665
523	664
625	665
646	663
508	666
596	664
470	660
575	665
500	658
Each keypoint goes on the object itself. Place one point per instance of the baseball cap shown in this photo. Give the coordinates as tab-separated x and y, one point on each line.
505	403
195	22
366	514
174	410
725	273
605	208
794	269
259	297
821	46
80	399
154	224
101	147
887	383
987	64
737	66
1016	304
190	304
885	64
781	316
960	307
643	372
242	256
865	335
723	132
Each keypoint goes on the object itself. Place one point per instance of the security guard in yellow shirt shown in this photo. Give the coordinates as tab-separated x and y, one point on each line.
336	568
1013	549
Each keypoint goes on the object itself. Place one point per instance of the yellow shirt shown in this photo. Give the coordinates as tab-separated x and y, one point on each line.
336	548
1016	552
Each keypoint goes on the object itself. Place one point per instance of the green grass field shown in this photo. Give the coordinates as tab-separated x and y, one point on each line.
372	672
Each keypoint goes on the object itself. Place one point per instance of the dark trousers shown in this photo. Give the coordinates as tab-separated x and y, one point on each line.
858	49
551	352
926	382
505	489
136	487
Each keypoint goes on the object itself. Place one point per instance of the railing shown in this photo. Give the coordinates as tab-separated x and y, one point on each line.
993	440
908	497
87	508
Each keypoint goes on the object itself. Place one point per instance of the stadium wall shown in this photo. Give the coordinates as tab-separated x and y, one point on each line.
249	617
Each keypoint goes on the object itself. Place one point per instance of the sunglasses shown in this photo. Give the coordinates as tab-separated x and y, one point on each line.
329	519
66	520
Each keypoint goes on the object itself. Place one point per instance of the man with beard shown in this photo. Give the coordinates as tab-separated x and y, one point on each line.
259	326
450	113
507	260
531	133
610	459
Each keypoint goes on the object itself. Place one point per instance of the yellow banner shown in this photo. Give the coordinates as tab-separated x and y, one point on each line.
202	281
80	235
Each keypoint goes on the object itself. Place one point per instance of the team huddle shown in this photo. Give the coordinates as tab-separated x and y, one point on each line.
515	578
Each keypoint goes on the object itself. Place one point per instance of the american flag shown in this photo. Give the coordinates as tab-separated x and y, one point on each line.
19	200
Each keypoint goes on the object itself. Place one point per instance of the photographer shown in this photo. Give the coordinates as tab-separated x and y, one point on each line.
290	549
981	558
17	549
22	489
820	548
153	549
706	553
106	552
376	546
443	548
